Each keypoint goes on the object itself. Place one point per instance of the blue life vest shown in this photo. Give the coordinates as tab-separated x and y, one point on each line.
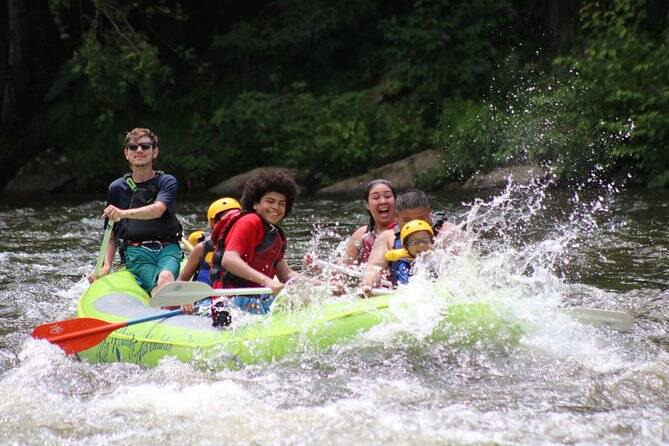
400	269
203	268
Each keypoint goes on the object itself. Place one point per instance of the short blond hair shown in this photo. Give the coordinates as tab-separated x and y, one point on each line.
137	133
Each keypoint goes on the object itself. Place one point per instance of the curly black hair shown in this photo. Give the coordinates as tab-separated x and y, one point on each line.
265	182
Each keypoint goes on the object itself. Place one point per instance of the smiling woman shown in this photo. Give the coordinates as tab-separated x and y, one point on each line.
380	205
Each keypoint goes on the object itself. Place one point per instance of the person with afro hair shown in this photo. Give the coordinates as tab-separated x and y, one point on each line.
250	245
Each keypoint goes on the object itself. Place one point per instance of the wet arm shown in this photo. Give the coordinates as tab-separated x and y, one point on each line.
449	237
234	263
353	245
147	212
377	260
284	272
192	263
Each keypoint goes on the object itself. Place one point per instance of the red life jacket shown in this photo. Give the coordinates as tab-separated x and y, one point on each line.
367	243
366	248
265	258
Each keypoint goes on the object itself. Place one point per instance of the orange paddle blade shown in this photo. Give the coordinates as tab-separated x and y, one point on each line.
76	335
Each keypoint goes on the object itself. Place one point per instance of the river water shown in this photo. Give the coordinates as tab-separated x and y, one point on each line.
535	249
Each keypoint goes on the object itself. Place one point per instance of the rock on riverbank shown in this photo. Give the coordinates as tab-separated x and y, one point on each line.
402	174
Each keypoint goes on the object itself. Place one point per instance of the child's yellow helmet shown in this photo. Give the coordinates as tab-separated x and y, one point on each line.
221	205
415	226
196	237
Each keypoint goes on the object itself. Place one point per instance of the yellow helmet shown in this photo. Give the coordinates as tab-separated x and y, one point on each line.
196	237
415	226
221	205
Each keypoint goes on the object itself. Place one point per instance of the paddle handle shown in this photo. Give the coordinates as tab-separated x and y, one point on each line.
103	247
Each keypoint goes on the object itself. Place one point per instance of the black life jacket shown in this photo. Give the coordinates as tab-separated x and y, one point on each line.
165	228
267	253
439	220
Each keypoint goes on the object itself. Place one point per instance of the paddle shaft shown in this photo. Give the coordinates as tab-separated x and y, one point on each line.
103	246
241	291
186	244
613	319
348	271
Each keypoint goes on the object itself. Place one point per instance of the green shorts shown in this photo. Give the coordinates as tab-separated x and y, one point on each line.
146	264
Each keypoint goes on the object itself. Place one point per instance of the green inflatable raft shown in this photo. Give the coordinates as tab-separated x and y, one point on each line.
117	298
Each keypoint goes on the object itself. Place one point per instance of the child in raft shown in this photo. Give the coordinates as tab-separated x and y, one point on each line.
250	245
201	256
417	237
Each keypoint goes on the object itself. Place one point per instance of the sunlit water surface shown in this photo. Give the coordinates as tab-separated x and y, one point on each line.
533	250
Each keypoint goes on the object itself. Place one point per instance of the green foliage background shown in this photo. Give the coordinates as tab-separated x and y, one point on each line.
336	88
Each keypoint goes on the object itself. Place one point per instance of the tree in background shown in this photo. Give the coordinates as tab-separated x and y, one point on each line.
338	87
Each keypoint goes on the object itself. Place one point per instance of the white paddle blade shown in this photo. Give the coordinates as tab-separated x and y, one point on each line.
182	293
617	320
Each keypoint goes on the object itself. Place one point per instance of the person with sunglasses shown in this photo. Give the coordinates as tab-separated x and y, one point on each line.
201	256
142	203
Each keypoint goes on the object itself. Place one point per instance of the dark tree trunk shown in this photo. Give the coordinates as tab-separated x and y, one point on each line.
15	81
557	18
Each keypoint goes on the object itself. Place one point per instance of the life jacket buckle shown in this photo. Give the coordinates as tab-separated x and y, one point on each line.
151	245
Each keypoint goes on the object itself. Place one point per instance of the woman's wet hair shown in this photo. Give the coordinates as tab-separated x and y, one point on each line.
265	182
412	199
371	184
368	188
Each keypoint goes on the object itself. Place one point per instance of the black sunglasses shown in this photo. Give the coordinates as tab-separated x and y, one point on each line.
144	146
